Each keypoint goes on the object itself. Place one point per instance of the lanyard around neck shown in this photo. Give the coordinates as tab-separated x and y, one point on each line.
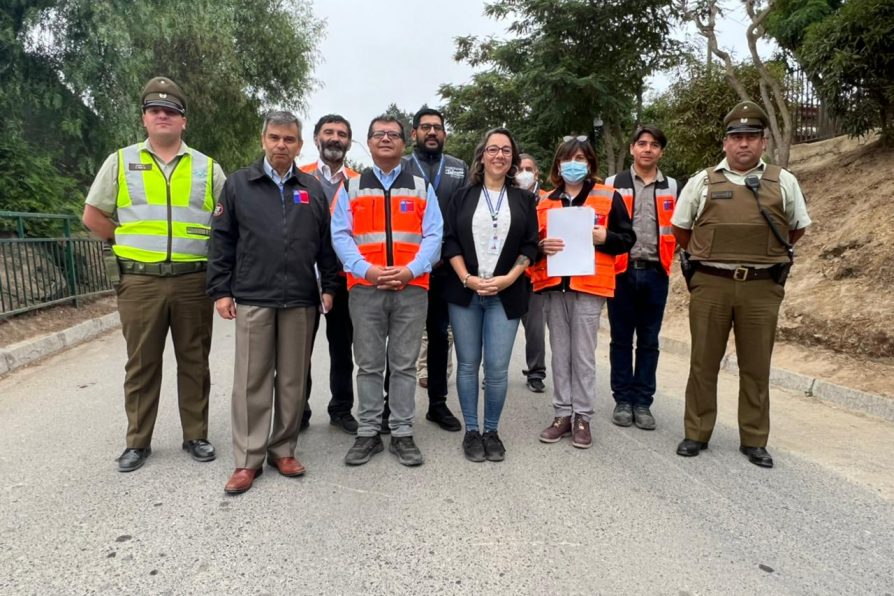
490	206
437	181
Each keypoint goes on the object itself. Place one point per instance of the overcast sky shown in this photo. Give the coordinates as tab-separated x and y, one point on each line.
401	51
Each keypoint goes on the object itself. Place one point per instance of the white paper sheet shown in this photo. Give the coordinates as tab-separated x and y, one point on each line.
574	225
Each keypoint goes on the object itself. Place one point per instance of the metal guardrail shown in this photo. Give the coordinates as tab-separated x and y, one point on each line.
40	272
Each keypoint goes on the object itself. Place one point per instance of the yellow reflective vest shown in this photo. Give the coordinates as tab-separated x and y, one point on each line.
163	219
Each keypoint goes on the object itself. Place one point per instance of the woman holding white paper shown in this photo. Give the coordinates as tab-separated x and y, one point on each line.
490	238
573	303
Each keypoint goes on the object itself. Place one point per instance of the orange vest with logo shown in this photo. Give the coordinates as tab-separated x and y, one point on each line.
602	281
314	170
665	201
387	224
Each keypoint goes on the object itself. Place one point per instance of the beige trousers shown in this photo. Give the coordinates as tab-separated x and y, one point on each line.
273	347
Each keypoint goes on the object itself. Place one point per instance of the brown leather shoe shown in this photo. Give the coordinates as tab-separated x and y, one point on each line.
287	466
560	427
580	434
241	480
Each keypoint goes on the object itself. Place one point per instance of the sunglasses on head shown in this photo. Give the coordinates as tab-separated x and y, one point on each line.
581	138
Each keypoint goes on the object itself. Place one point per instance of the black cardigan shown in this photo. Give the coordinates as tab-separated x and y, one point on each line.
521	240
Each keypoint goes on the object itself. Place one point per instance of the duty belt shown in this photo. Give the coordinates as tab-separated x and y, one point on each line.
160	269
643	264
739	273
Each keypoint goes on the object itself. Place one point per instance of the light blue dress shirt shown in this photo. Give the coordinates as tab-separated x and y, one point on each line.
274	175
346	248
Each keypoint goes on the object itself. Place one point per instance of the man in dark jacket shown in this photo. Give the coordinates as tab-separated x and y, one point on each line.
446	174
270	233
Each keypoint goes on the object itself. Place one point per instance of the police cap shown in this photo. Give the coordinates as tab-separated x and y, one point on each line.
747	116
162	92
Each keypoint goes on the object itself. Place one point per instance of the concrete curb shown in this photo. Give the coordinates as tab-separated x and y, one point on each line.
29	351
26	352
846	397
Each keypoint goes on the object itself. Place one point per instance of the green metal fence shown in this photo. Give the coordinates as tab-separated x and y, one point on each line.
39	272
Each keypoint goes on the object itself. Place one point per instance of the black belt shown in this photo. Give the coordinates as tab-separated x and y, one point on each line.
642	264
739	273
160	269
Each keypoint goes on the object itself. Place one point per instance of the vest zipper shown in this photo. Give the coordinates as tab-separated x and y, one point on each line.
170	207
389	249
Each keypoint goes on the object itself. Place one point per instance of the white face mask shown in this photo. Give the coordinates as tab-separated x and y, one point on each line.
525	179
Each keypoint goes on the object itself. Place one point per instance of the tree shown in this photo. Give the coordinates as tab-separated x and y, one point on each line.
233	59
42	148
562	70
73	70
850	57
703	14
691	111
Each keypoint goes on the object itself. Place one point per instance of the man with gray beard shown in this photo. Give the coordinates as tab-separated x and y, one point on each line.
332	136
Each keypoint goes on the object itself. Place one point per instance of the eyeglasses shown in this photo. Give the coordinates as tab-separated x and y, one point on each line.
493	150
431	127
391	134
581	138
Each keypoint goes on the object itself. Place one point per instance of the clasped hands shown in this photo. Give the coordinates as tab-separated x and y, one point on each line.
389	278
490	286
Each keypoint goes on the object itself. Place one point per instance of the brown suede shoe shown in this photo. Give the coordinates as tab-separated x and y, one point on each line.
287	466
561	427
580	434
241	480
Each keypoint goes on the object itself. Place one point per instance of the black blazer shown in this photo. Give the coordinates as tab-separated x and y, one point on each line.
521	240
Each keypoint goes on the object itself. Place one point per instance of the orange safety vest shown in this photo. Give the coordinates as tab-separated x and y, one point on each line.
602	281
665	201
387	224
314	170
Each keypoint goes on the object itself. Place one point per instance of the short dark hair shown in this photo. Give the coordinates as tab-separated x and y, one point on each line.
567	149
653	130
426	112
476	169
329	119
386	118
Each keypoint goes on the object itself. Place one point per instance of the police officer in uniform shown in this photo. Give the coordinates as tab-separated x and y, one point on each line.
154	201
725	220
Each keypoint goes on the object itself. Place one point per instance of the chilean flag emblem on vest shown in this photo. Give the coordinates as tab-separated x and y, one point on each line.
302	197
406	206
668	204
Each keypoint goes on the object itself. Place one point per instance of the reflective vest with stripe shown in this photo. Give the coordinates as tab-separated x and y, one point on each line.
602	281
665	195
387	223
162	219
314	170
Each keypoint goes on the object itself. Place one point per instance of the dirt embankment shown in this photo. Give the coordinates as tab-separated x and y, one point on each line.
837	320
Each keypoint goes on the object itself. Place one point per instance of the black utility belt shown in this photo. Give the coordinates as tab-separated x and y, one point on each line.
739	273
160	269
643	264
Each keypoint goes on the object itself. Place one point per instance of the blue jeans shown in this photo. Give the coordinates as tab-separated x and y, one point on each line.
482	327
638	306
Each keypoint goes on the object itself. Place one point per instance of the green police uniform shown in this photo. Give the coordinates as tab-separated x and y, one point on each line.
732	288
164	213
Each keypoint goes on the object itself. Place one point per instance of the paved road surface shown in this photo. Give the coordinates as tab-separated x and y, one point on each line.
627	516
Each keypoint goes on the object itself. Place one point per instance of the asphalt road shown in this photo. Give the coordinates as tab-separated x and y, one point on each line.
627	516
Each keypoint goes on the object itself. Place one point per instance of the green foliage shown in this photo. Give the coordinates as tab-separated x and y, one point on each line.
232	59
73	70
850	58
569	63
789	19
691	112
